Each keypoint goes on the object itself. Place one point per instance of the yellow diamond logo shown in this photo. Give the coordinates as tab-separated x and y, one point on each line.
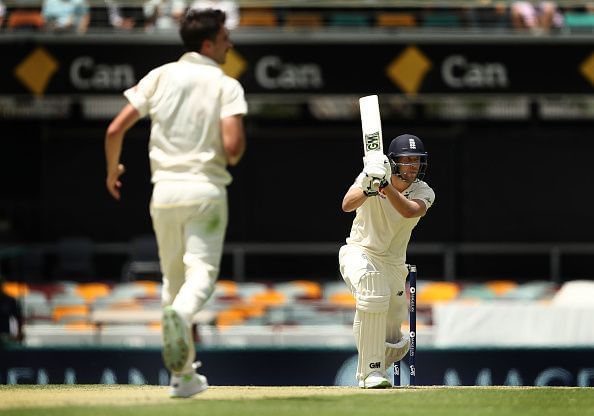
587	69
36	70
409	69
235	64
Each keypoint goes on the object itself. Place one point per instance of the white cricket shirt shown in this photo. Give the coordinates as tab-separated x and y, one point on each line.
186	101
380	229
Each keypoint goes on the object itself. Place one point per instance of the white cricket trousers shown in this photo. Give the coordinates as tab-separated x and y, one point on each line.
355	263
190	240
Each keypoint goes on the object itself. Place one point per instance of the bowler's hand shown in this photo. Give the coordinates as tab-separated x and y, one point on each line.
113	182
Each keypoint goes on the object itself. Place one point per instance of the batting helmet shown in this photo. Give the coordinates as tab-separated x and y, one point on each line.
407	145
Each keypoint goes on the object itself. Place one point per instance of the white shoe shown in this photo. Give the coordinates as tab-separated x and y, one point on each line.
177	341
187	385
375	380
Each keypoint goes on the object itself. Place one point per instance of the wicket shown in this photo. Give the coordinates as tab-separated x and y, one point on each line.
412	319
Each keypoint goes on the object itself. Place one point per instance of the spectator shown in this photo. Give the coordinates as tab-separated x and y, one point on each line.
541	16
163	14
228	6
115	17
66	15
2	13
11	319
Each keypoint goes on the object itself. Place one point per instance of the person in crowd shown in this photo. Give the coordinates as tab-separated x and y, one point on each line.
66	15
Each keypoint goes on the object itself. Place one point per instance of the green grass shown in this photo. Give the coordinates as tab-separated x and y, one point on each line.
295	401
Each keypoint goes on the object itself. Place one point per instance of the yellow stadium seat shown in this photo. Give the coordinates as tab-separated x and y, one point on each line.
258	18
91	291
79	326
501	287
304	20
342	299
268	298
437	292
16	289
251	310
70	313
230	317
228	288
312	289
151	287
25	18
396	19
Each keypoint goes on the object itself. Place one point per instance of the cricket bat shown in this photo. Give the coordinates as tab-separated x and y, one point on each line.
371	124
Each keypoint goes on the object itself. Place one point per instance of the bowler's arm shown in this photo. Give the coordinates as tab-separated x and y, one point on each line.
114	138
233	134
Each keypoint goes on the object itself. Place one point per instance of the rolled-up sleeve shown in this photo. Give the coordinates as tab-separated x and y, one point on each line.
233	98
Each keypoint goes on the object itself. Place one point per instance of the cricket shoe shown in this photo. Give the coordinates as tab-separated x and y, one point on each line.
187	385
375	380
177	341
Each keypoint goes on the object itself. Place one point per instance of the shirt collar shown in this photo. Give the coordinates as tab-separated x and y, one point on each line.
196	58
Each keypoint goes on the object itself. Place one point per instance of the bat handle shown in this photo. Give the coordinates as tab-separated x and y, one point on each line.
375	184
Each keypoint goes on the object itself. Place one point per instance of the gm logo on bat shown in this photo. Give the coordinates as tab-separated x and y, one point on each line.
372	141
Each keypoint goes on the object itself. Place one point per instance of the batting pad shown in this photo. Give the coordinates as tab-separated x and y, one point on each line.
396	352
373	300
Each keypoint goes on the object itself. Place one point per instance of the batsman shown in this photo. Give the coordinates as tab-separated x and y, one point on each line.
373	261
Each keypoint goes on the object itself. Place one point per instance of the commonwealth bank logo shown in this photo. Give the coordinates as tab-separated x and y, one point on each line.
36	70
235	65
408	69
587	68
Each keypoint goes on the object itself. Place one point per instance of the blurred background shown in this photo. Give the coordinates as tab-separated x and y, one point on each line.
501	93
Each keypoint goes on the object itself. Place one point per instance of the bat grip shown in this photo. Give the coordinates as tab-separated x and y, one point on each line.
375	184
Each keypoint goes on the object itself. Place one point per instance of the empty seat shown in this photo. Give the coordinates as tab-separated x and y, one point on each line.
343	299
71	313
538	290
15	289
432	292
36	306
300	289
67	298
335	286
91	291
501	287
304	20
246	289
151	288
230	317
348	19
268	298
258	18
441	19
395	19
476	291
226	289
576	20
25	19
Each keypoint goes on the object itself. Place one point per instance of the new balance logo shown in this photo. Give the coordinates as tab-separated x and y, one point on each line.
375	365
400	292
